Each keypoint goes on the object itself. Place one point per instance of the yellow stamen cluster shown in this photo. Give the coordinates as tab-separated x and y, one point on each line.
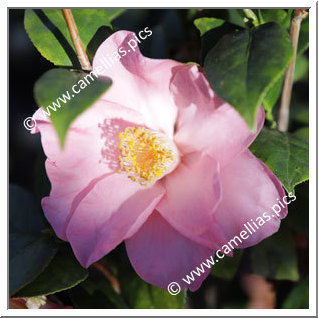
145	155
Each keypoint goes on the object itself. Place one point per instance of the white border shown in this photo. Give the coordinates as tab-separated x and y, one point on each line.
312	156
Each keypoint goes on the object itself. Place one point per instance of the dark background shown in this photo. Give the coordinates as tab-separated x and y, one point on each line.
174	36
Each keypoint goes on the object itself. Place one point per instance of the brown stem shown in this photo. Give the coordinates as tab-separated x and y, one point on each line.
108	275
295	23
80	51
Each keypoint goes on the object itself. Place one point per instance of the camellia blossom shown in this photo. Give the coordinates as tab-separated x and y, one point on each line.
158	162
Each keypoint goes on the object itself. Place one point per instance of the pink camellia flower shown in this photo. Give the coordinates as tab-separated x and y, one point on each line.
159	162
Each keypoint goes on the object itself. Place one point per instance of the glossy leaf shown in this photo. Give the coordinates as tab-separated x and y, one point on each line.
285	154
235	16
243	66
30	251
48	31
276	257
273	15
274	93
206	24
272	97
62	273
54	89
211	37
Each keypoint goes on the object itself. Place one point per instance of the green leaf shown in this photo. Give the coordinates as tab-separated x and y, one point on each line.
31	259
276	257
298	298
244	65
48	31
273	15
62	273
206	24
285	154
228	266
236	16
212	36
286	22
272	97
273	94
54	91
30	251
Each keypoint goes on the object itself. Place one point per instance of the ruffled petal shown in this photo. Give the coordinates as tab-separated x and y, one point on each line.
90	152
193	194
139	83
204	123
190	88
112	211
161	255
249	189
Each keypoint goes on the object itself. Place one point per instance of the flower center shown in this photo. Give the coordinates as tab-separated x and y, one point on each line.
146	155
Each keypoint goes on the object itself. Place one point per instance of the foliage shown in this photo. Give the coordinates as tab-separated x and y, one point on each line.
244	54
61	81
285	154
234	70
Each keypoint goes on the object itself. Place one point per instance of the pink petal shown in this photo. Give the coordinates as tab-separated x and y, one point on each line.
249	189
139	83
90	152
112	211
193	193
223	134
66	192
204	123
191	88
161	255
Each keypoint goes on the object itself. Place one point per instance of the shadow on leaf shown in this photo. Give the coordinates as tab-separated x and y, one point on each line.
59	36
